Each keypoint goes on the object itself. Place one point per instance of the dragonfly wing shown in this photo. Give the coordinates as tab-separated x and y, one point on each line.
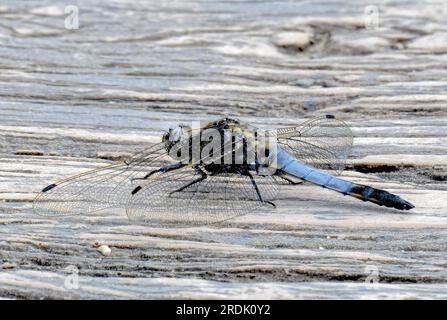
164	199
98	189
323	142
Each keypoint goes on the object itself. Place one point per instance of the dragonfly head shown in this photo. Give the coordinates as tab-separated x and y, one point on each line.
175	135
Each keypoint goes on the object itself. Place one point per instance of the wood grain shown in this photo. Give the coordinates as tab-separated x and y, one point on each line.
72	99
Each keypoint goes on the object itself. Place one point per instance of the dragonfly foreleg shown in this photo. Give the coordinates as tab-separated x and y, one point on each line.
202	177
257	189
162	170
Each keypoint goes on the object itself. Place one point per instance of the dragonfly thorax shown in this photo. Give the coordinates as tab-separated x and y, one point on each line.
223	142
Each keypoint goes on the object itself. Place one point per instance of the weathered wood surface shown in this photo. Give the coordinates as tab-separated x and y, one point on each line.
134	68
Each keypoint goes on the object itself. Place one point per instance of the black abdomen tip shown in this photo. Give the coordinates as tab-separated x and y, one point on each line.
394	201
51	186
405	205
380	197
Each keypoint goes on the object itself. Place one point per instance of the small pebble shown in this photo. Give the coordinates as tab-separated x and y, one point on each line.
8	265
105	250
293	40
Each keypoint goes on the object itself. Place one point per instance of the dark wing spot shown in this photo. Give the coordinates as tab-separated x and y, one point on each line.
51	186
136	189
330	116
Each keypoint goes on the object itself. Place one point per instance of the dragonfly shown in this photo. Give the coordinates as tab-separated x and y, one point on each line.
170	184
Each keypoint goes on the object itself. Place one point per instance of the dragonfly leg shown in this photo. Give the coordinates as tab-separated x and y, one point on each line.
257	189
202	177
162	170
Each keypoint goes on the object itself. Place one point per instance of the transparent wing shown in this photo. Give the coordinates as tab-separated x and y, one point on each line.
194	196
218	197
221	196
323	142
98	189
